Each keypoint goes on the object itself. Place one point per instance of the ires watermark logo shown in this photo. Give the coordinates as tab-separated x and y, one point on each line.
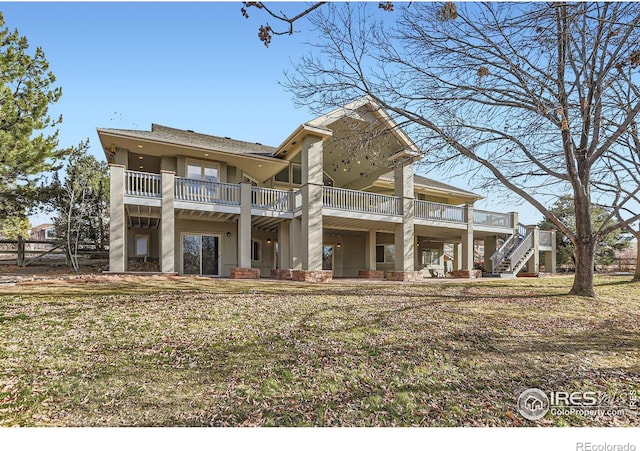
533	403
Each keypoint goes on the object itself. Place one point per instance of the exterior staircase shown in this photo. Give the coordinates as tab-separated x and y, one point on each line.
513	254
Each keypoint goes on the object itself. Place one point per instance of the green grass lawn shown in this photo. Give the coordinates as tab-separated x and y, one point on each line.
198	352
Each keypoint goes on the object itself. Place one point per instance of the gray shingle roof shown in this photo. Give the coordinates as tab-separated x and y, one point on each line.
191	138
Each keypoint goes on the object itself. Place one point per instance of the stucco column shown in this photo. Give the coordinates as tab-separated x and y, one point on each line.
457	256
295	246
404	232
244	226
370	250
533	265
515	220
489	248
467	239
552	256
284	261
167	223
117	220
312	203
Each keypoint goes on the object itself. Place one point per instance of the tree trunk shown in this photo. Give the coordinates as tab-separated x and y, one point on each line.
583	281
584	244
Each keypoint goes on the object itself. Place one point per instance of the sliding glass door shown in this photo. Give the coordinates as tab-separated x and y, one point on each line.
201	254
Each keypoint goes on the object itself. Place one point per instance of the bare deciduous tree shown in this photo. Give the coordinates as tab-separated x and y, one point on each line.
526	94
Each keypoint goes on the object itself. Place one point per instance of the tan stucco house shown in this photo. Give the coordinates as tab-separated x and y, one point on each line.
338	198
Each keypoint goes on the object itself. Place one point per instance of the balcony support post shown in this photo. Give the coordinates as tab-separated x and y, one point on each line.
117	221
467	240
244	227
167	223
490	244
404	232
533	265
284	261
312	161
370	250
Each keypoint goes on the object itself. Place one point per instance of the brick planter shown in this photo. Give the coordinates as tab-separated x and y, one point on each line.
245	273
370	274
405	276
282	274
467	274
311	276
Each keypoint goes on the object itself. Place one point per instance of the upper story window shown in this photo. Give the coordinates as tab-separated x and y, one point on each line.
200	170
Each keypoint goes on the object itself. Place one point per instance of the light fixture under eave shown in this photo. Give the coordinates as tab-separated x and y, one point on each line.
140	146
268	240
338	245
140	157
259	165
228	234
140	167
206	154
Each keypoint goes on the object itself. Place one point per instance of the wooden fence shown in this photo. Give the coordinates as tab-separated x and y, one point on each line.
31	251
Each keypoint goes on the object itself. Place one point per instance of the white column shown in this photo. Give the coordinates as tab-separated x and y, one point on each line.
370	250
244	226
404	232
489	248
295	246
312	203
284	261
117	220
533	265
467	240
553	252
167	223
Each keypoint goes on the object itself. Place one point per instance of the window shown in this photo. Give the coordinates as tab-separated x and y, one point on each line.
296	170
142	245
283	176
386	253
255	250
326	180
431	257
327	257
200	170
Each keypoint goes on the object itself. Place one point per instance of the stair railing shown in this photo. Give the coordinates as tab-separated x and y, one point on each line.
520	250
499	255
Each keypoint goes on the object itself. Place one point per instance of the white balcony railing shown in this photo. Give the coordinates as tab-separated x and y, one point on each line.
493	219
208	192
271	199
439	212
142	184
360	201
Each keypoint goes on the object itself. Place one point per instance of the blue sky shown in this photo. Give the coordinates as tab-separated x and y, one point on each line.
197	66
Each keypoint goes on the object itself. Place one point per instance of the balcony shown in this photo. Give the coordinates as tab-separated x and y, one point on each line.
145	189
438	212
360	201
201	191
492	219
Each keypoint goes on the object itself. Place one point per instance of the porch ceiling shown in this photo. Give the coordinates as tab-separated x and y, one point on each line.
260	167
358	152
202	215
334	222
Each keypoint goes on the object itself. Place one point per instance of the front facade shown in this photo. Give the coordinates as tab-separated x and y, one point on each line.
338	198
